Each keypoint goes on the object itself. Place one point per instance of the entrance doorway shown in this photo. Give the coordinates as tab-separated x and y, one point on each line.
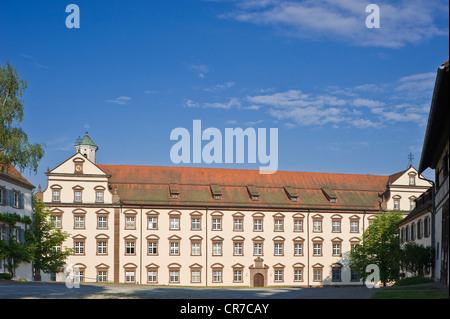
258	280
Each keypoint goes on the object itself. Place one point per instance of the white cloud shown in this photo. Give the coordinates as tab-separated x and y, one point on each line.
220	87
233	102
120	100
362	106
367	102
200	69
401	22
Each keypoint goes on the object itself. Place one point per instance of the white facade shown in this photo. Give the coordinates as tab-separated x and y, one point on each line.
15	197
118	239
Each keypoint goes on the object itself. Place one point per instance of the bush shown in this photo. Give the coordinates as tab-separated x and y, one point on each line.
413	281
5	276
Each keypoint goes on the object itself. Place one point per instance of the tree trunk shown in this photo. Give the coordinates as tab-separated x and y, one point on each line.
37	274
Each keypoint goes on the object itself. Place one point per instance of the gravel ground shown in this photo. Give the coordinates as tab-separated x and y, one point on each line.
54	290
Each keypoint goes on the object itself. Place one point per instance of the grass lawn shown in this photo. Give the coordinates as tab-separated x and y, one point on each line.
407	289
410	294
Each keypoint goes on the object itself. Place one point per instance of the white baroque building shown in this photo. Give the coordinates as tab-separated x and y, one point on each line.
216	227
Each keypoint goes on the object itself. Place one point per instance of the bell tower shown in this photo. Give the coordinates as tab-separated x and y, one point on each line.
86	147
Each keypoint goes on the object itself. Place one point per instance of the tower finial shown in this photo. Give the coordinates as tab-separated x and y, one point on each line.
410	158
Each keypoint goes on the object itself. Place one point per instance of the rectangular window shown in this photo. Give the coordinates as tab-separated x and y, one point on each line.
99	197
237	224
354	226
217	224
353	275
298	275
336	274
217	249
237	276
101	276
298	225
57	221
195	249
152	248
153	223
79	248
195	275
317	225
130	248
174	276
336	226
130	222
238	249
278	225
298	249
101	248
152	276
317	274
257	249
102	222
79	222
16	202
56	196
217	276
318	249
278	275
257	225
129	276
396	204
78	196
278	249
174	223
195	223
336	249
174	248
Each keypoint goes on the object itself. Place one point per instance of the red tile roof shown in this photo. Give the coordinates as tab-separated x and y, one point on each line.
150	185
12	173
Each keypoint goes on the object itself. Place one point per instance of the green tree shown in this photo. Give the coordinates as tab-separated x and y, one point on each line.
417	259
380	246
45	238
15	249
14	146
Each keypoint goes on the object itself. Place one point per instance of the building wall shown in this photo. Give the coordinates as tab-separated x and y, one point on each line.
24	270
405	191
441	201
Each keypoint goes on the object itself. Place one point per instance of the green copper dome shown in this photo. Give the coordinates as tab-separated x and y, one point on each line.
86	140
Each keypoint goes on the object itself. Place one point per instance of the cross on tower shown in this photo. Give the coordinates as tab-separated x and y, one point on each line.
410	157
86	126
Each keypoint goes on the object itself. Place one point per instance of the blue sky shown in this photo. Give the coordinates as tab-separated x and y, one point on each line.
345	98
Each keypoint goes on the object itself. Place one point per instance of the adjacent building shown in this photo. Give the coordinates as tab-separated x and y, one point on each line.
15	197
435	155
216	227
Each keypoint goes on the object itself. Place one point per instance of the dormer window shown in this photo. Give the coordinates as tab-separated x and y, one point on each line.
254	194
291	194
174	191
329	194
216	191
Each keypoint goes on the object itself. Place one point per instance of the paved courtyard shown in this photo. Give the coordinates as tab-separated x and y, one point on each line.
27	290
